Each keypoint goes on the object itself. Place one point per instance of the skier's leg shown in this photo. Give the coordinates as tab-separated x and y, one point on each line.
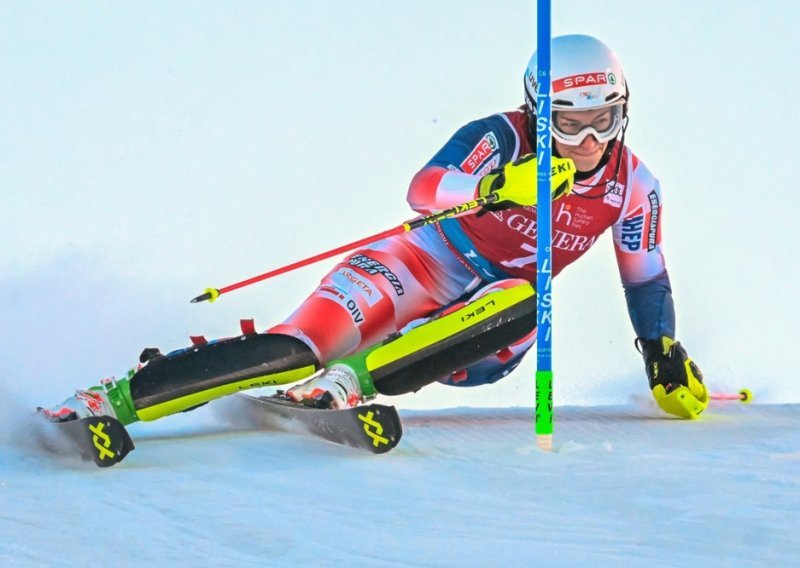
501	315
497	365
366	298
363	299
378	290
494	367
190	377
198	375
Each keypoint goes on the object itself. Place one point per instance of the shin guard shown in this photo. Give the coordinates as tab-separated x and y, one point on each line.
196	375
406	362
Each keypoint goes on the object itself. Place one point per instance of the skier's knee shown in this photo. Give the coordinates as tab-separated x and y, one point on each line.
494	367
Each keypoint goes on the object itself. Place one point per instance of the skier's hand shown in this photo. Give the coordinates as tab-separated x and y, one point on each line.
515	183
676	380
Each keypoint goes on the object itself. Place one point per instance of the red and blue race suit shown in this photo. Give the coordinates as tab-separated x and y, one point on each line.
403	280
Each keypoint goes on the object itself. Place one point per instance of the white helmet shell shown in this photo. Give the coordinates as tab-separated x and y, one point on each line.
584	74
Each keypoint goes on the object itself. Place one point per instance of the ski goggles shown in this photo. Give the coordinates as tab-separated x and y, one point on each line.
604	126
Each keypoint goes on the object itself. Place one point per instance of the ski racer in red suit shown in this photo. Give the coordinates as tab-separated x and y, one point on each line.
453	302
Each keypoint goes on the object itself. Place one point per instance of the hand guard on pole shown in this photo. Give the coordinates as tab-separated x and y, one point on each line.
516	183
675	380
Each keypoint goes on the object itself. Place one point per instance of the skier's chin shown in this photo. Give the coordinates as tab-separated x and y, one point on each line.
585	161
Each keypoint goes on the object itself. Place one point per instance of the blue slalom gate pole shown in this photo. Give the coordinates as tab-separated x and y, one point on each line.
544	305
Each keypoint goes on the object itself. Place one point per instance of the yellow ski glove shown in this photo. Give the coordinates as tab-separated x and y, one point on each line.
515	183
676	380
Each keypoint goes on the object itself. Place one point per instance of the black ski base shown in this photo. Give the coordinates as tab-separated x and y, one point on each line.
101	439
374	428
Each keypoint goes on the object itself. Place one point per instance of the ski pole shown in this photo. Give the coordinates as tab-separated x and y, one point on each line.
212	294
744	396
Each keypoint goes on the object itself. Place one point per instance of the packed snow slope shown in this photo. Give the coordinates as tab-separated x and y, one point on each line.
465	487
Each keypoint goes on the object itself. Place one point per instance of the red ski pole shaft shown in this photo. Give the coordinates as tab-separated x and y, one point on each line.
212	294
743	395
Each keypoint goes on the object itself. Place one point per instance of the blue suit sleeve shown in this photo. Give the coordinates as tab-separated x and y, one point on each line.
651	308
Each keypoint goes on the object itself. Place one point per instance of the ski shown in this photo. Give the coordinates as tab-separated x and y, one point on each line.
101	439
374	428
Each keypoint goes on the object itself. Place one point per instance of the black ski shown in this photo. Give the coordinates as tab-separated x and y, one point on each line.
375	428
101	439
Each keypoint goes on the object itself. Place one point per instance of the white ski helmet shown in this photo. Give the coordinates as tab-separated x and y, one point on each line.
584	74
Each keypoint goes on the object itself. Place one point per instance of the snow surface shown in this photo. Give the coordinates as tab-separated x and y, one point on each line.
465	487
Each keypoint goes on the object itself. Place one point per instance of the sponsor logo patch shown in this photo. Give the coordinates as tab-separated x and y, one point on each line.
480	153
343	299
564	214
477	311
346	279
582	80
613	196
631	234
652	229
489	166
372	267
571	215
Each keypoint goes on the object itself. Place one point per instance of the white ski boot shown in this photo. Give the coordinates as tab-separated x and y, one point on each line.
84	403
336	387
112	397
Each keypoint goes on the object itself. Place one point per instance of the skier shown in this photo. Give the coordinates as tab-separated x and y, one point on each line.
453	302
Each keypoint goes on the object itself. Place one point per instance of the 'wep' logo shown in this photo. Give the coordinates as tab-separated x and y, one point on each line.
631	233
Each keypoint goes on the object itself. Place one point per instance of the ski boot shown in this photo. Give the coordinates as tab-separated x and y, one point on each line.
111	398
337	387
